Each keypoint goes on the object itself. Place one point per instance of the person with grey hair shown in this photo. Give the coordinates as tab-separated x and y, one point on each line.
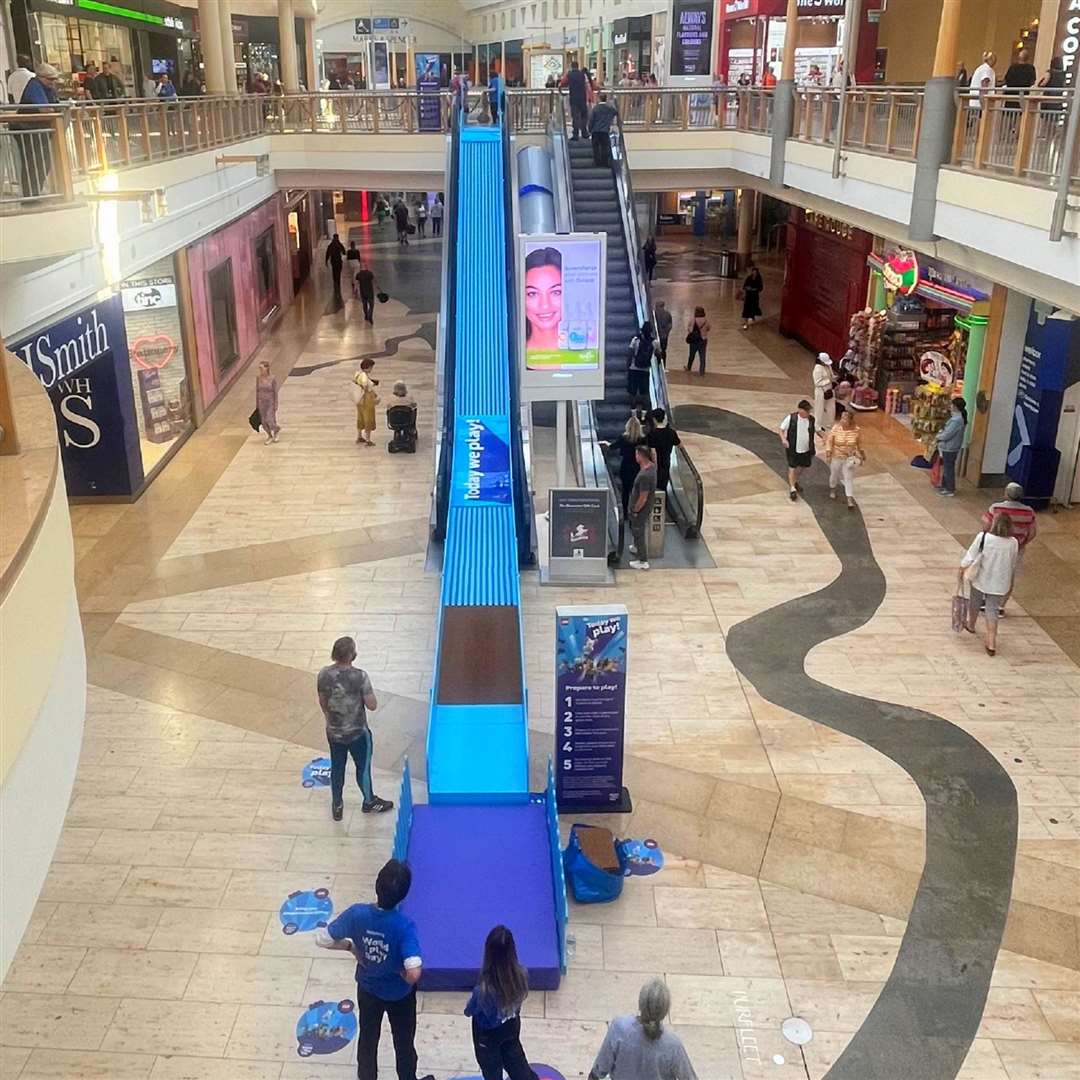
32	138
1021	519
640	1047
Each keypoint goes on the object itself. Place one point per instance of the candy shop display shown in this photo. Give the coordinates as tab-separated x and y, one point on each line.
929	410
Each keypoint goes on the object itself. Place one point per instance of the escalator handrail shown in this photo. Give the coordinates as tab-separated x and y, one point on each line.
689	518
447	357
526	519
595	470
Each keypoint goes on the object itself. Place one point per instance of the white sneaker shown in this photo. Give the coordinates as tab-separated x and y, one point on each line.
635	564
633	550
268	440
273	438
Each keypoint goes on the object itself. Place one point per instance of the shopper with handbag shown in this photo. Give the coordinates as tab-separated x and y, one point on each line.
365	398
697	337
950	441
266	401
844	453
824	398
989	567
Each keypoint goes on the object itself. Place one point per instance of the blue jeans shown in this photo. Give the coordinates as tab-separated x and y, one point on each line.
361	749
948	469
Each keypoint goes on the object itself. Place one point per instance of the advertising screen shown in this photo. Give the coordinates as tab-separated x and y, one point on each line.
691	38
428	81
562	280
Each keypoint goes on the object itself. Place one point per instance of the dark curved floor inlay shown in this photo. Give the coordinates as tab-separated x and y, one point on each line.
426	332
929	1010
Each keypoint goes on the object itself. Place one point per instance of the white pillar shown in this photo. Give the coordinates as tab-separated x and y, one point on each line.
228	55
1044	43
210	47
287	46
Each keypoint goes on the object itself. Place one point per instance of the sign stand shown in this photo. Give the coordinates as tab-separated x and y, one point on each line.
577	547
591	654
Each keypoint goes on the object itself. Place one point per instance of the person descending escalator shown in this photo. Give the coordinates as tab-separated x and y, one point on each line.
603	118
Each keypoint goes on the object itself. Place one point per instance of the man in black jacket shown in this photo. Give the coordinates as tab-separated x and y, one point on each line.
106	85
603	116
335	257
578	84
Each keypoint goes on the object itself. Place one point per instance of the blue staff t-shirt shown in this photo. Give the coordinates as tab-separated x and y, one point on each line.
388	943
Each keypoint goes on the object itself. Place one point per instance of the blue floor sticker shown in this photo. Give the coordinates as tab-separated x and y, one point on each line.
643	857
543	1072
307	910
316	773
326	1028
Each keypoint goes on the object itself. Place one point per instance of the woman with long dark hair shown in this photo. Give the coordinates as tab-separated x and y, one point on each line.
752	289
543	299
950	442
495	1008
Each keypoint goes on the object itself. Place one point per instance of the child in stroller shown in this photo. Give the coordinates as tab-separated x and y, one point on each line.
401	419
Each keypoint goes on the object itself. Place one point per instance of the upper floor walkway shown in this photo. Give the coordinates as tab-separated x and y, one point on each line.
1004	191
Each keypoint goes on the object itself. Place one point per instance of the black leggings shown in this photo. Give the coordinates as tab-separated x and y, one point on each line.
500	1048
402	1027
699	351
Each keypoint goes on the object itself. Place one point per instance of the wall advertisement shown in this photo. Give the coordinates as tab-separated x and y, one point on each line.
590	689
691	39
481	466
82	361
428	82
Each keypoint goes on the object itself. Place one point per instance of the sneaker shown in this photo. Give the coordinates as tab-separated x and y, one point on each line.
377	806
273	438
948	494
793	494
636	564
336	811
633	550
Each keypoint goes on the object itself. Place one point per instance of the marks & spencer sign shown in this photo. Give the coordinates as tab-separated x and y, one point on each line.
82	361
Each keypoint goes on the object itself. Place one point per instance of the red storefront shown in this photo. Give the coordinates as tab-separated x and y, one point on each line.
752	35
825	280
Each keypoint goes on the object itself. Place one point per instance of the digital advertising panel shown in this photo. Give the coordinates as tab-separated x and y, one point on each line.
561	281
691	54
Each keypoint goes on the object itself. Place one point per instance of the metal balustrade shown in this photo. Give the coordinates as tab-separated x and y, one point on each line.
880	120
47	151
1019	134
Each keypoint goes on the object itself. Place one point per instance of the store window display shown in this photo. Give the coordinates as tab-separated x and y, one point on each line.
156	355
72	44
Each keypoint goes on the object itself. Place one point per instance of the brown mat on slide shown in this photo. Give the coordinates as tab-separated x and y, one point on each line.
480	656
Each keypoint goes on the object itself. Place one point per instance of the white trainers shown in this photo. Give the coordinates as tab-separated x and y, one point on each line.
636	564
633	550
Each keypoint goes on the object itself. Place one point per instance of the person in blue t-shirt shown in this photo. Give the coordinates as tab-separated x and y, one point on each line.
495	1008
388	967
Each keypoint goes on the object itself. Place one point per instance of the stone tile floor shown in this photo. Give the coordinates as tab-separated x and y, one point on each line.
155	950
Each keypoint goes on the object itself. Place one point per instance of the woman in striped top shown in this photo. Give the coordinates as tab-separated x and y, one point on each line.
844	452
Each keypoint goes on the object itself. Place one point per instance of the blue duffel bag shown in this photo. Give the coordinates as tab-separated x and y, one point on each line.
592	884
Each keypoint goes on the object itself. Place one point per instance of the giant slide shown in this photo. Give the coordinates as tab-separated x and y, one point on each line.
484	850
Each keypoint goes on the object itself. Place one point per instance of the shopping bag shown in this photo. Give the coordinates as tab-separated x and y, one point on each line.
412	230
936	468
959	612
255	420
590	883
382	297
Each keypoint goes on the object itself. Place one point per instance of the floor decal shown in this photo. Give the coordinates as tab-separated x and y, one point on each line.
316	773
643	857
326	1027
923	1022
307	910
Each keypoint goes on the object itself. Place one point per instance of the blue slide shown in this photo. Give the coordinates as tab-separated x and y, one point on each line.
483	850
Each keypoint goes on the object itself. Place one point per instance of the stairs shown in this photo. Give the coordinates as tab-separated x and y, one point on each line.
596	209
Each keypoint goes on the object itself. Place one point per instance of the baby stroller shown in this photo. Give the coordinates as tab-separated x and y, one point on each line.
401	419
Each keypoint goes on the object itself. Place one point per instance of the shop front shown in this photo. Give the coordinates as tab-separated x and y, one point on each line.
754	33
117	374
239	278
825	278
138	41
631	41
919	342
301	227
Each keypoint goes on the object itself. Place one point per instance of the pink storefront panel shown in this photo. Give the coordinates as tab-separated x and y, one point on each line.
235	244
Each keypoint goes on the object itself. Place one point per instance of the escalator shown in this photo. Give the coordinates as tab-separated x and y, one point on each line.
596	209
602	200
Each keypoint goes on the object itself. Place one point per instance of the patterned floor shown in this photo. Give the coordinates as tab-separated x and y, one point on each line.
793	850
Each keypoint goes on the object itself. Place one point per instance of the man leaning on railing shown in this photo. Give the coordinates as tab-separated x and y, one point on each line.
32	135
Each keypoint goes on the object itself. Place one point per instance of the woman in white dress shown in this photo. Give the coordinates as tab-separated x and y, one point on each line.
824	399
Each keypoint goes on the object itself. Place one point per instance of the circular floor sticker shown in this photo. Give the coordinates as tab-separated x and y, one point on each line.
316	773
796	1030
326	1027
543	1072
643	857
307	910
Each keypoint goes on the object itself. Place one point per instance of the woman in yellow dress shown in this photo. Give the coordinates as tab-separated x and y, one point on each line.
366	399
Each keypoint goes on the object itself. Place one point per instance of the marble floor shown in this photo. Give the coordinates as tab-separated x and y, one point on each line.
792	851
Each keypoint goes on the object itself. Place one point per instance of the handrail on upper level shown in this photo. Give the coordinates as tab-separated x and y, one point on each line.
47	151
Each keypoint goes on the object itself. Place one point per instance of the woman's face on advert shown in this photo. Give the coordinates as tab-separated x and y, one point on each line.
543	297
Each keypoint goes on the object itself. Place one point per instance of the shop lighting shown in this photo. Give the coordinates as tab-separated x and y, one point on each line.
262	161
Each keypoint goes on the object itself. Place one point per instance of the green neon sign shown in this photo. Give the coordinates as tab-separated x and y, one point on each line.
120	12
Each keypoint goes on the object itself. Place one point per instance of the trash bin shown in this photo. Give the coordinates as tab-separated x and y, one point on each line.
729	264
654	534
